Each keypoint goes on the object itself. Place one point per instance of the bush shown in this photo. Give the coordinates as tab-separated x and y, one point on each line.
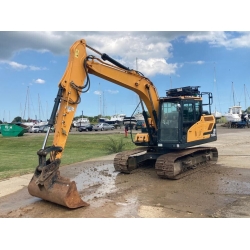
115	146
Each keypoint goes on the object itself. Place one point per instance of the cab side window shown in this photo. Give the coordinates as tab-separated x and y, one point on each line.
188	112
191	114
198	110
192	111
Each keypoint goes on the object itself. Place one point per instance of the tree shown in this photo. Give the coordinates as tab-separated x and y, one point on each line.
248	110
17	119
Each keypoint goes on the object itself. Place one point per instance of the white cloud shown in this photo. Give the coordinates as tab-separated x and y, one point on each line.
19	66
113	91
124	47
230	40
97	92
16	65
157	65
34	68
39	81
197	62
152	49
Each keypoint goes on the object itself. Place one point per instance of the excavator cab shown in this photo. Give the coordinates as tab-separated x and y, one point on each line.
183	123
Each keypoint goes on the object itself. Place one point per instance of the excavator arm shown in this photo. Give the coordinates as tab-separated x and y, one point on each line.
46	182
72	85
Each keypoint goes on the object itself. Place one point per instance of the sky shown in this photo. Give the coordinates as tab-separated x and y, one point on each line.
32	62
31	68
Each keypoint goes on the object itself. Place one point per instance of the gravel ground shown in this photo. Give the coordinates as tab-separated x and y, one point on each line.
219	191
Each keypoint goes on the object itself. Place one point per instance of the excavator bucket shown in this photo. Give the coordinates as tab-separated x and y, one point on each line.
47	184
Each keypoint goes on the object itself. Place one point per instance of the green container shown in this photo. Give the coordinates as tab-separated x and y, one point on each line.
12	130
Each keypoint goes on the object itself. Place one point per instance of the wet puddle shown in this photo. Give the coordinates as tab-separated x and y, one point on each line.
96	181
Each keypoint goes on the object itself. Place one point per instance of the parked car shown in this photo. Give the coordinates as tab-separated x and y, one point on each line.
34	129
103	126
139	125
41	128
45	129
86	127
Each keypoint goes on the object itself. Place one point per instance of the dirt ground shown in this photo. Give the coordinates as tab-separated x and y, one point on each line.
219	191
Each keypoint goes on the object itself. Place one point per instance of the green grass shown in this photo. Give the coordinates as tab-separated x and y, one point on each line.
19	154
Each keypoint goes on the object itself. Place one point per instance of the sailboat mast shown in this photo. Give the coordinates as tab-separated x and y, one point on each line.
28	106
233	92
39	115
26	102
245	96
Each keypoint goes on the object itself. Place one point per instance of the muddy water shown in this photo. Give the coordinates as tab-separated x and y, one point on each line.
96	182
221	190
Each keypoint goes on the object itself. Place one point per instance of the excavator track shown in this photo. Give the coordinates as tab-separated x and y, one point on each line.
121	160
179	164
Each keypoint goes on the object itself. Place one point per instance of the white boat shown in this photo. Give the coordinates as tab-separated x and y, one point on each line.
129	121
132	120
234	114
114	119
139	117
29	124
42	123
80	121
118	117
217	115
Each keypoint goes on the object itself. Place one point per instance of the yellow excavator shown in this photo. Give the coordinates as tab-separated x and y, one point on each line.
175	126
